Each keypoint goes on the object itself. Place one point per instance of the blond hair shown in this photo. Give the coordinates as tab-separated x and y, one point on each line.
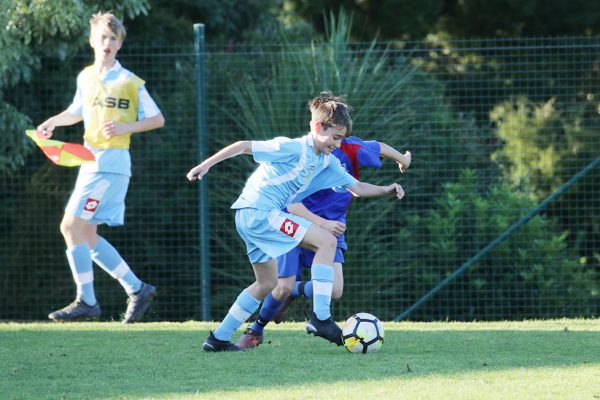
331	110
113	23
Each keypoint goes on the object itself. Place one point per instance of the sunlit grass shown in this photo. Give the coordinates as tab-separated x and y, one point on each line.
558	359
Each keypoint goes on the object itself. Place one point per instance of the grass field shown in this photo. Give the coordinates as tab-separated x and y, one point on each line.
557	359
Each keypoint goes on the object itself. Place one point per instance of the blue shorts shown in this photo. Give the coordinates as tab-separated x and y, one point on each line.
99	198
269	233
292	262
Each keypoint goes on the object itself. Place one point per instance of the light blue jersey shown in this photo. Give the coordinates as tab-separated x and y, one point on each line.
288	171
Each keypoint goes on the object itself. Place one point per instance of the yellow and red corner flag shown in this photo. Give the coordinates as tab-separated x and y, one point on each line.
62	153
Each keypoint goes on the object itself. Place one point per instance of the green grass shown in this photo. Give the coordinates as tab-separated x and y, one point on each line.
558	359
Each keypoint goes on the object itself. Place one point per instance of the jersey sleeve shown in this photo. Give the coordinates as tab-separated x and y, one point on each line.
333	177
76	107
368	153
279	149
147	107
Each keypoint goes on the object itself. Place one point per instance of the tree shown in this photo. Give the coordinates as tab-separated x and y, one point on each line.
384	19
226	21
415	19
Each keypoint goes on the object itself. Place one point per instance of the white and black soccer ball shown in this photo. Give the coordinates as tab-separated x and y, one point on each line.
362	333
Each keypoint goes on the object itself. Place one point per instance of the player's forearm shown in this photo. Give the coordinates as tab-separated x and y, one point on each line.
364	189
62	119
243	147
300	210
147	124
234	149
388	151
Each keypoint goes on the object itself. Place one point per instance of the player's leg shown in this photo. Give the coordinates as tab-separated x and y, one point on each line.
267	234
109	259
140	294
304	259
244	306
279	316
289	267
76	227
324	245
305	288
78	255
110	191
253	336
338	281
322	276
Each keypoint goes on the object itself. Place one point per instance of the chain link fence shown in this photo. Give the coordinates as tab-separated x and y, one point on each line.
495	127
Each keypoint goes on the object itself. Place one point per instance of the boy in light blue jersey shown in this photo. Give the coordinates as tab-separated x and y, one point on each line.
289	170
113	103
328	209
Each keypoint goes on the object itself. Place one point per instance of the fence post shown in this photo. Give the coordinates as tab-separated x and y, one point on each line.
204	233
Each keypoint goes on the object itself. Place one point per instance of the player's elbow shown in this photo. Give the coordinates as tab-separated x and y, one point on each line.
160	121
244	146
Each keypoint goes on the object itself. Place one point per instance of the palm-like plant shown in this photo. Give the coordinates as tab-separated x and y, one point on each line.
393	102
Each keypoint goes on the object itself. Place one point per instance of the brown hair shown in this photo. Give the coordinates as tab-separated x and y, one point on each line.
113	23
331	110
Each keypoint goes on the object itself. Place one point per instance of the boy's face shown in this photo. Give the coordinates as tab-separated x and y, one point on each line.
105	43
328	138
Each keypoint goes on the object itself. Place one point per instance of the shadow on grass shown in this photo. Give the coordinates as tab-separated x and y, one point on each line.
95	364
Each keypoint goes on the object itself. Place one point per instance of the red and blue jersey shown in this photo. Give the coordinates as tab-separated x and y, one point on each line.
333	205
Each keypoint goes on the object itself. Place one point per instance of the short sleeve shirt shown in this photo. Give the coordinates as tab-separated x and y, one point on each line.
288	171
113	160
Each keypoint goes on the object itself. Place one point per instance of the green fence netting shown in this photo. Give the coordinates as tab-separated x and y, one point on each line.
495	127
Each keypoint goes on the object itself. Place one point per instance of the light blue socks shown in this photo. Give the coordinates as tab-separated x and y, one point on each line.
109	259
245	305
83	274
322	283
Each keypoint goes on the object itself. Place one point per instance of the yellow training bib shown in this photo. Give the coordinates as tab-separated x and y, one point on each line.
117	103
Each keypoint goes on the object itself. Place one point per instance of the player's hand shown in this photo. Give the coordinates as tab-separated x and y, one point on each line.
45	130
337	228
112	128
404	165
197	172
396	190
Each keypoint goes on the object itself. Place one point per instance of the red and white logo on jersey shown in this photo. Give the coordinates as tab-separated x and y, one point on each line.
289	227
91	205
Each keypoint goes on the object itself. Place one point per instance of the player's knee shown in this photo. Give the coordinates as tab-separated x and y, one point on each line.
282	291
267	285
67	227
329	242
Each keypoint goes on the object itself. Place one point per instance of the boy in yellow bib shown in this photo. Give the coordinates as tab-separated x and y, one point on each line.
113	104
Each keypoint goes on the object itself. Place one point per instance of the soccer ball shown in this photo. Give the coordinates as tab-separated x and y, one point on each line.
362	333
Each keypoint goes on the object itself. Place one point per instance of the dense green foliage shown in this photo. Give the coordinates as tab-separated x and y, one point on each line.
226	21
454	224
259	91
415	19
535	262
